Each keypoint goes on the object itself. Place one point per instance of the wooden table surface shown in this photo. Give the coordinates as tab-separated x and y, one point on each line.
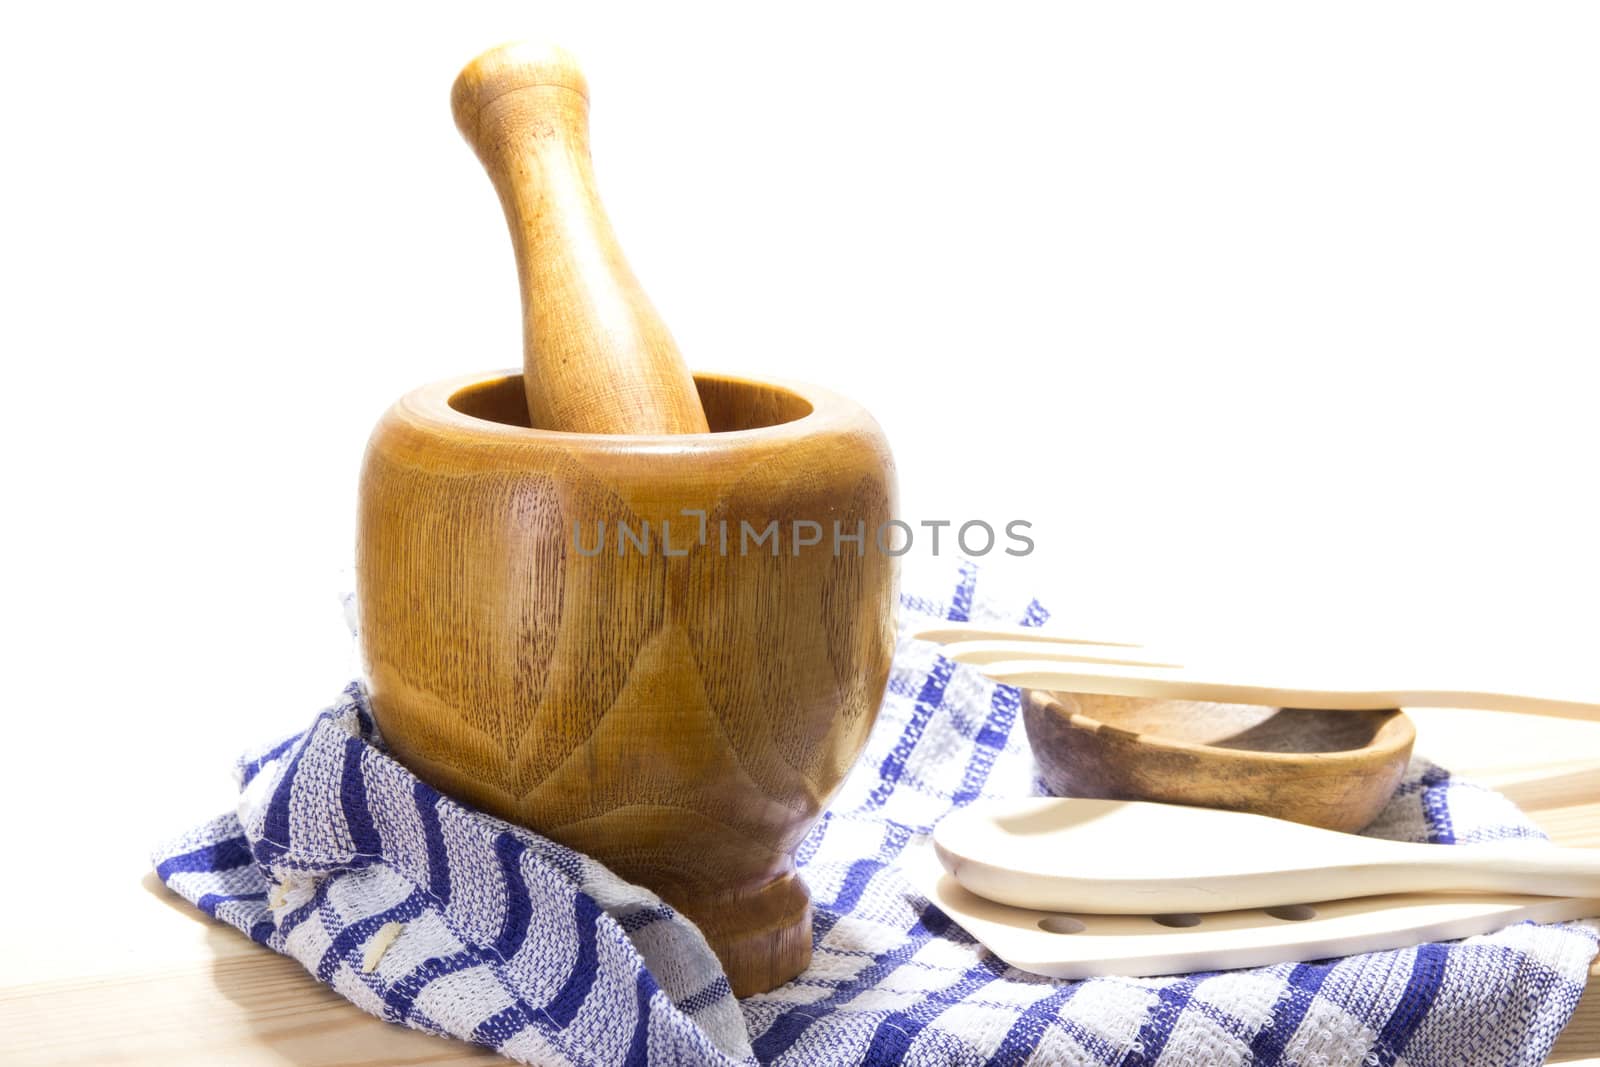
148	980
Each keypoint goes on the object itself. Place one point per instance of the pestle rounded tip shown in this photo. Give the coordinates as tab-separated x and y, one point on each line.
596	356
509	68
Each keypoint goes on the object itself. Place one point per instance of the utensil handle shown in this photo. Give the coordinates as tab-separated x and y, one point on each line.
1158	684
1505	700
1516	868
596	356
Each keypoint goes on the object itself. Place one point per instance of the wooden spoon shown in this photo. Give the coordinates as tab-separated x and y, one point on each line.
596	356
1123	857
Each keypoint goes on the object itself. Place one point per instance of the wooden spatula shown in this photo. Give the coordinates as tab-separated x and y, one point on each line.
1122	857
596	356
1086	946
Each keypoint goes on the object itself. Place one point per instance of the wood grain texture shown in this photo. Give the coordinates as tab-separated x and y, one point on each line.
596	356
682	718
1331	769
1579	1043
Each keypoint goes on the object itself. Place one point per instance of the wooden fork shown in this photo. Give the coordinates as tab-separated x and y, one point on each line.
1037	659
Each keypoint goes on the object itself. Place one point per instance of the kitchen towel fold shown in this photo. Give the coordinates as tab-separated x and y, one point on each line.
425	912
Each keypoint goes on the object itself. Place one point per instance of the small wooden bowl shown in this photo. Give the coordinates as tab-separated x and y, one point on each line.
1335	769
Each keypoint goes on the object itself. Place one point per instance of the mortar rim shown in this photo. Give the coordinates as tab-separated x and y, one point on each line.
431	404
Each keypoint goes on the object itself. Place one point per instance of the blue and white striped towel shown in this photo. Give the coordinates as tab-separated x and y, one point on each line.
428	913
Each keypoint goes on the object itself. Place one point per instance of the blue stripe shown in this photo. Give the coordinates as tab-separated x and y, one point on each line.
1223	1017
356	934
433	837
1427	974
991	741
896	1032
569	998
221	856
1003	707
995	732
1436	807
419	1021
714	991
918	605
402	993
560	857
788	1027
856	879
639	1048
634	921
901	685
519	911
275	824
1266	1050
1171	1000
1026	1033
253	768
208	902
813	840
897	835
353	799
928	700
502	1026
1096	1042
563	1007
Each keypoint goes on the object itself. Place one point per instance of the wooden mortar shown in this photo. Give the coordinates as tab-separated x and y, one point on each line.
681	718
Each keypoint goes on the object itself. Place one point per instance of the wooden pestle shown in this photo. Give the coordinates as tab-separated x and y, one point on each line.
596	356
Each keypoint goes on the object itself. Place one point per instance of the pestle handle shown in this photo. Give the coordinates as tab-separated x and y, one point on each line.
596	356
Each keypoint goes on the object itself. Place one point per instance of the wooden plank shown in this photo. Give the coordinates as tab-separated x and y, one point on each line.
1580	1041
241	1010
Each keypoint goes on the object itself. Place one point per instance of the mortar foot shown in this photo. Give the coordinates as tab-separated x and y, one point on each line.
763	938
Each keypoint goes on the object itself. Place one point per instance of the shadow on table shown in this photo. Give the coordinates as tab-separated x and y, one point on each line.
286	1016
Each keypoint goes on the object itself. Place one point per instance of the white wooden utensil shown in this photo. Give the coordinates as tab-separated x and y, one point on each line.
1074	946
1127	857
1033	659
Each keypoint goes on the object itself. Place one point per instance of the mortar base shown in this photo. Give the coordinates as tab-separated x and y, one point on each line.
763	939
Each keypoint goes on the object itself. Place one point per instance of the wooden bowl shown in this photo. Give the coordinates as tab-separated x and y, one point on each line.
681	712
1335	769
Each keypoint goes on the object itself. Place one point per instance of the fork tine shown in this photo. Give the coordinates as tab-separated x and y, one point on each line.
945	633
1110	679
1180	684
979	653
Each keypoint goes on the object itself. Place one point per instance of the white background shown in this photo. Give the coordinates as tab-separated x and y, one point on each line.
1265	316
